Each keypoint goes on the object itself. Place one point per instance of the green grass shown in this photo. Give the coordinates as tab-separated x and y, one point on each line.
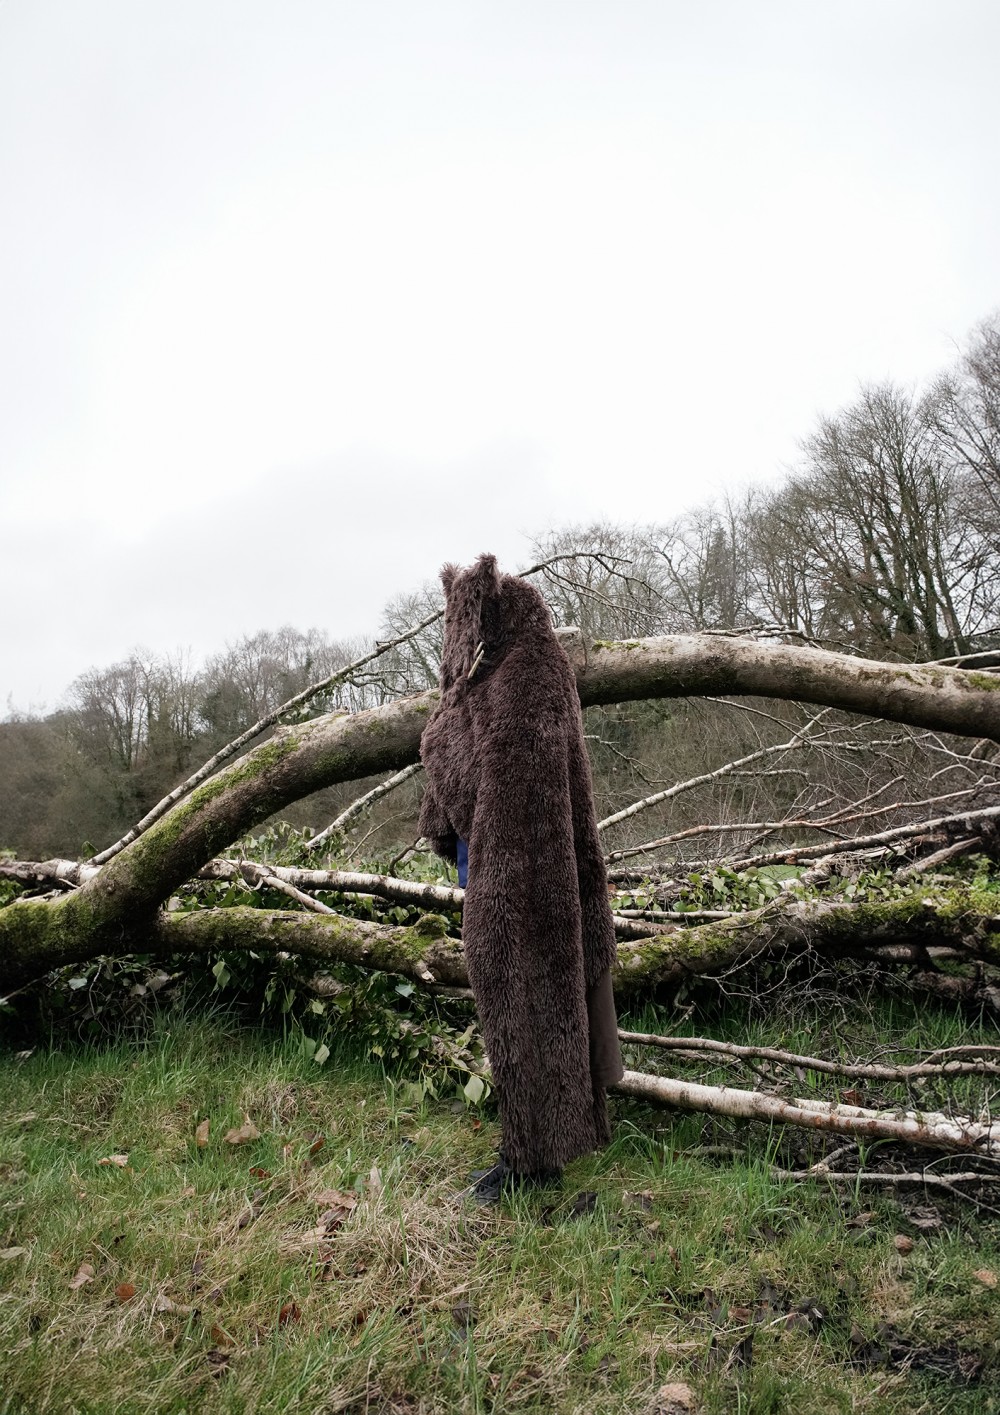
422	1302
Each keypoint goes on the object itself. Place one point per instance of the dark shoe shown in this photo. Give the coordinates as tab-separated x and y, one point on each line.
489	1185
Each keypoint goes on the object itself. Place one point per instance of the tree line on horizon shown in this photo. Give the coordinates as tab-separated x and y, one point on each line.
883	541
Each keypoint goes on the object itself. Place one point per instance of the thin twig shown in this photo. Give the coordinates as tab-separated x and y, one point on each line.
794	742
868	1070
361	804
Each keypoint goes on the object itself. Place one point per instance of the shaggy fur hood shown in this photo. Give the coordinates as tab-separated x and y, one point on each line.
507	771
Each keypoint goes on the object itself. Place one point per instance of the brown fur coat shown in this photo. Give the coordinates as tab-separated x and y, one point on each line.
507	770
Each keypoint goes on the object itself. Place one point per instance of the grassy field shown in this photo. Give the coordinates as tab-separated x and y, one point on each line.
330	1262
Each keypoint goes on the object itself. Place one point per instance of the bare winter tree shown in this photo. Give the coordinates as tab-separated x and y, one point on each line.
705	556
963	409
885	559
604	579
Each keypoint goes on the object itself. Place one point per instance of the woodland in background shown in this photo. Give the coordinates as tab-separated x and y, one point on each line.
807	907
769	685
884	542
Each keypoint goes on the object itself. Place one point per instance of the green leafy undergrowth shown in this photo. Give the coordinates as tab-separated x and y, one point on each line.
201	1219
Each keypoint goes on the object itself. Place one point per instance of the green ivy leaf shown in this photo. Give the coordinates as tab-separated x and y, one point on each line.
474	1089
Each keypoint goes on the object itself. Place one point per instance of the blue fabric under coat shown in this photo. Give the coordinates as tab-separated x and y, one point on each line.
463	863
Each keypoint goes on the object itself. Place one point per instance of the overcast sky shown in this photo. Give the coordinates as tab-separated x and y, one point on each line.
300	299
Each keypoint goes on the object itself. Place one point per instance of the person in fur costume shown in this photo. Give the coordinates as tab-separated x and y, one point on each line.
507	776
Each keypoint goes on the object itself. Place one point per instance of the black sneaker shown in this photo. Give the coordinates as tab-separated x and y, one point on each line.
489	1185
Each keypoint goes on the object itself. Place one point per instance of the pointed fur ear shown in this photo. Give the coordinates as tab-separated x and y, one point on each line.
448	573
485	576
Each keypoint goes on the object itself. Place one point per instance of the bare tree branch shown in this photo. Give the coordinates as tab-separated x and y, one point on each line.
796	853
361	804
934	1130
868	1070
761	828
794	742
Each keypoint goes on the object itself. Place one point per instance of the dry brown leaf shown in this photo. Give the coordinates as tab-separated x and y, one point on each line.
375	1185
221	1336
188	1192
125	1291
7	1253
290	1312
201	1133
903	1244
247	1131
119	1160
925	1218
316	1145
84	1274
167	1304
986	1276
334	1199
674	1399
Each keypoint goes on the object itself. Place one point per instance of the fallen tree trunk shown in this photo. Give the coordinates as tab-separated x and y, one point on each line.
70	873
933	1129
425	952
110	910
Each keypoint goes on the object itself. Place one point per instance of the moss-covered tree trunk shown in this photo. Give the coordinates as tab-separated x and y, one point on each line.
117	909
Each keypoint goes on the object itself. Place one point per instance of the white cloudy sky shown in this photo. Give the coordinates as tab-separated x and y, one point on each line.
299	299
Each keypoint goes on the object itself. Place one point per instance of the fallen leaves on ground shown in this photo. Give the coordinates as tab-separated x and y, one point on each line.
85	1273
120	1161
584	1203
217	1360
925	1218
336	1199
337	1208
463	1316
125	1291
889	1347
6	1254
240	1135
673	1399
201	1133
